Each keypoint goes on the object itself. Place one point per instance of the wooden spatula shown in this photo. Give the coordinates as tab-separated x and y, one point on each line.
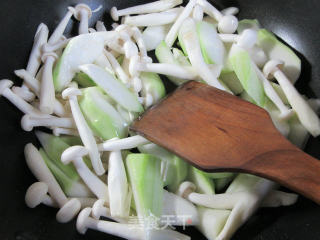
216	131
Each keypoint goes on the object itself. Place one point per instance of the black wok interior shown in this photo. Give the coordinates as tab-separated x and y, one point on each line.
295	21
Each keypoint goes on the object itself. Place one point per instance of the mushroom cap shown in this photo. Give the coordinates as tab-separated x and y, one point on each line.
133	66
248	38
68	211
271	66
36	194
78	8
82	220
26	123
4	84
70	92
97	207
114	14
185	189
228	24
73	153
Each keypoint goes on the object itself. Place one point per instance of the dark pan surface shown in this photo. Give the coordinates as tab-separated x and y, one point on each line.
297	22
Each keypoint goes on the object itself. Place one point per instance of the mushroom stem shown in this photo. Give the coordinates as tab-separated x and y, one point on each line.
40	38
47	91
184	72
100	210
230	11
59	30
37	194
28	122
157	6
40	170
197	14
189	36
210	10
153	19
84	130
34	86
100	26
83	12
305	113
123	144
130	49
55	47
137	35
285	111
24	93
173	32
21	104
117	68
75	155
57	131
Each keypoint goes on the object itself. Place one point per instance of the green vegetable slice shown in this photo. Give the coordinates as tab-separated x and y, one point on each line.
203	183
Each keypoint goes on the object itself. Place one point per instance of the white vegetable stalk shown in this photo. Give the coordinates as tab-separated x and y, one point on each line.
305	113
153	19
21	104
28	122
58	131
34	86
173	32
100	26
24	93
116	144
103	62
119	192
84	130
127	231
152	7
226	23
184	72
58	32
75	154
82	13
40	38
197	13
190	40
68	208
117	68
47	91
153	35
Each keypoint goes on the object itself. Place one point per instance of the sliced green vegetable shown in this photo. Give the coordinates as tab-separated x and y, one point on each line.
212	48
164	55
275	49
212	221
84	80
152	84
219	175
246	73
221	183
175	169
298	134
101	116
54	147
248	24
232	81
71	140
144	173
203	183
113	87
80	50
71	187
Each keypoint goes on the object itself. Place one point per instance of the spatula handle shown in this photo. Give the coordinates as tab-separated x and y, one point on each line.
291	168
